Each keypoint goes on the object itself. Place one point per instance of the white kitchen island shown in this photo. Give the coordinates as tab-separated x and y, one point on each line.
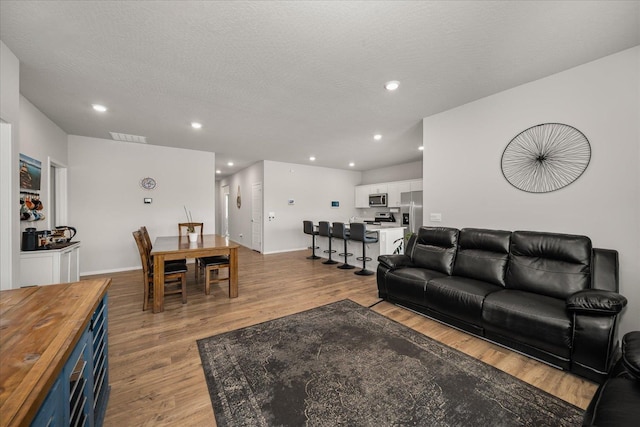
390	236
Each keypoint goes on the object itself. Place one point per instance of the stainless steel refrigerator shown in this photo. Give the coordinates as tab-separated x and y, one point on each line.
411	210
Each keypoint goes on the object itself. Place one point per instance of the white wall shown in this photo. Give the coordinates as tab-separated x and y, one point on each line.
41	139
313	189
401	172
463	147
106	200
9	154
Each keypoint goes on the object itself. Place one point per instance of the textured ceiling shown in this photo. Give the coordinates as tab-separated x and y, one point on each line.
286	80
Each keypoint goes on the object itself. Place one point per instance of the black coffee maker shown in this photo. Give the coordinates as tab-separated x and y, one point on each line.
29	239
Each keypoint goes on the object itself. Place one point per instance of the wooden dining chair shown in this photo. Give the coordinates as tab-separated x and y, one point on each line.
199	228
209	265
148	246
174	274
184	226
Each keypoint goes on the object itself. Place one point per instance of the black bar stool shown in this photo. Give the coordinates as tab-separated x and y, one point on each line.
308	229
325	230
340	231
359	233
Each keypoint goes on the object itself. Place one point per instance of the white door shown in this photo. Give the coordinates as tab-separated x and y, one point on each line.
256	217
225	214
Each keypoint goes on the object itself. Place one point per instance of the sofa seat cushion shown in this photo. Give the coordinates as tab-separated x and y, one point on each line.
459	297
408	284
615	404
535	320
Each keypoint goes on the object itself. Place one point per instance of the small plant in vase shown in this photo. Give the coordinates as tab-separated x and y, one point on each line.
191	230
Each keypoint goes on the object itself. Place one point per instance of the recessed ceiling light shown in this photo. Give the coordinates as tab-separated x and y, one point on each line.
230	164
392	85
218	171
196	125
421	148
352	164
377	137
312	158
99	108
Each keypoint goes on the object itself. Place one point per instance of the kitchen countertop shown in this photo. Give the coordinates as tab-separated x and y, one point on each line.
39	329
376	227
53	247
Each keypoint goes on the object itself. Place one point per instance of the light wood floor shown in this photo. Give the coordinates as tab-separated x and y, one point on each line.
155	371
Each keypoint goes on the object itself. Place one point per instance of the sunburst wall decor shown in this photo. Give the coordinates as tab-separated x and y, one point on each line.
545	157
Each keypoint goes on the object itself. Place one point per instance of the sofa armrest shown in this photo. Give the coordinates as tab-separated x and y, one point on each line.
631	353
596	301
395	261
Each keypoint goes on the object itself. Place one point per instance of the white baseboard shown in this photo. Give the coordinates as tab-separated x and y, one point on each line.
118	270
284	250
113	270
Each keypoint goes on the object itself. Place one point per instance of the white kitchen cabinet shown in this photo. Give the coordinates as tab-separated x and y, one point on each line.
394	191
390	240
380	188
362	196
48	267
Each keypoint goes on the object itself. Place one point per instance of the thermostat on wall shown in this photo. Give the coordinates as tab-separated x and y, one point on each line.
335	204
147	200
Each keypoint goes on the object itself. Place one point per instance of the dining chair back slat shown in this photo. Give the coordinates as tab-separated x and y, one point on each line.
184	226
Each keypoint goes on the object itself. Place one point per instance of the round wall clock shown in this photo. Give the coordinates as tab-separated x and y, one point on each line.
148	183
545	158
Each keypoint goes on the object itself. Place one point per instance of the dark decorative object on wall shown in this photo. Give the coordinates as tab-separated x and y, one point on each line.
546	157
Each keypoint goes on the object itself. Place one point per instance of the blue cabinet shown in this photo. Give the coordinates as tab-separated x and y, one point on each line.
100	352
79	394
51	412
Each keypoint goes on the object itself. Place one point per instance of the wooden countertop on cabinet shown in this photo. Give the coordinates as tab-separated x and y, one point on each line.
39	327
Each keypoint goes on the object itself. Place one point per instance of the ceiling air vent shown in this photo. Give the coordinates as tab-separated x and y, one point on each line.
124	137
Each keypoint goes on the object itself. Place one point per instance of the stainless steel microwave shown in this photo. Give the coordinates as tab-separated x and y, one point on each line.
378	200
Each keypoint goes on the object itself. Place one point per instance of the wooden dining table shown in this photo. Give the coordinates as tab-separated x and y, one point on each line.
167	248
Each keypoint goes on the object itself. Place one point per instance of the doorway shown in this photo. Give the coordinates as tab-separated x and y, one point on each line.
225	213
57	194
256	217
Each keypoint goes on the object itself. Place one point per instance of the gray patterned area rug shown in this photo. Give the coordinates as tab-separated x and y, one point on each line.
344	364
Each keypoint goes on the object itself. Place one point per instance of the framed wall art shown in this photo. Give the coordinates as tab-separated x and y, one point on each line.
545	158
30	173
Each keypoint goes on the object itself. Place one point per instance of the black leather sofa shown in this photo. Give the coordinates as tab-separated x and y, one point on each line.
550	296
617	400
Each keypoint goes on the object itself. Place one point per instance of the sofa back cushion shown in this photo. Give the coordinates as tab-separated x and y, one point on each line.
483	255
435	249
551	264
